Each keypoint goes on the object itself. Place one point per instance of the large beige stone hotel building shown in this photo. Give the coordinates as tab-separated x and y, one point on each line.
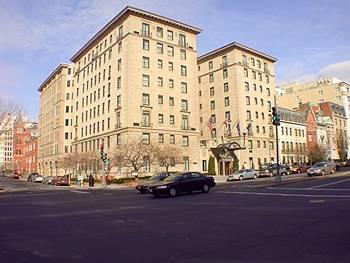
136	78
55	120
140	77
236	93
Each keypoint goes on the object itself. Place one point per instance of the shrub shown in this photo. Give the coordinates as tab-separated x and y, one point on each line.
211	166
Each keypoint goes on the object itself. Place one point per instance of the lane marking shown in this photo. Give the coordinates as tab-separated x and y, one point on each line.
283	194
316	201
308	189
318	186
79	192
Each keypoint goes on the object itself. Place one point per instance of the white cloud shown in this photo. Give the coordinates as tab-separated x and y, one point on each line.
339	70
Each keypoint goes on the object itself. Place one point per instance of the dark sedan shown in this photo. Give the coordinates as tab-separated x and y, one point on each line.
182	183
143	185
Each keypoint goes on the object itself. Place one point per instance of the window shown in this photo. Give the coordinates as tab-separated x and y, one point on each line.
267	79
249	115
120	44
246	85
145	44
66	122
269	105
172	119
212	93
225	73
183	87
184	105
159	48
210	64
159	32
256	115
247	100
182	40
170	35
67	108
182	54
145	99
184	123
171	101
212	105
172	139
260	76
171	66
259	63
185	141
160	118
160	82
145	29
119	82
160	99
227	101
252	62
262	102
225	87
145	80
211	78
170	51
213	118
160	63
254	74
146	119
160	138
227	115
119	100
145	138
145	62
183	70
171	83
268	91
245	72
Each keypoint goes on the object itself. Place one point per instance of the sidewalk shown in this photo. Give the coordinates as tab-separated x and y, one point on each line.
128	186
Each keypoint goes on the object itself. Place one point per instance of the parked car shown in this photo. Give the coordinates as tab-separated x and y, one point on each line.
143	185
271	170
299	168
31	176
60	180
48	179
243	174
182	183
37	178
15	175
322	168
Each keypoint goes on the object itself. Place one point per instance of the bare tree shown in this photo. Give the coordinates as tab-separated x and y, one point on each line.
116	159
69	162
89	162
342	147
137	154
317	154
7	112
168	155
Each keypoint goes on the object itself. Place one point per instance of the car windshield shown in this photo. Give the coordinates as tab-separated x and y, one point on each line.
319	165
239	171
173	177
158	177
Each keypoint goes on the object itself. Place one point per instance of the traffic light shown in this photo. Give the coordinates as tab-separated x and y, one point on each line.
275	117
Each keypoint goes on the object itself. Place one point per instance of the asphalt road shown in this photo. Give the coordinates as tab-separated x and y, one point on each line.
302	220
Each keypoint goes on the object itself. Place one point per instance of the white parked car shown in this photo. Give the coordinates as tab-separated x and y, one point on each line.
243	174
38	178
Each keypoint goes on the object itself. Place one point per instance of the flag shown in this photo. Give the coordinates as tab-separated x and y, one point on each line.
249	126
238	129
225	123
209	124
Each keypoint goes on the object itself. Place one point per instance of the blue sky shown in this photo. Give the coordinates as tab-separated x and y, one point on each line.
309	38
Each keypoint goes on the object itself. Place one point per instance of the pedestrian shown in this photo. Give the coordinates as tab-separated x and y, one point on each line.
91	181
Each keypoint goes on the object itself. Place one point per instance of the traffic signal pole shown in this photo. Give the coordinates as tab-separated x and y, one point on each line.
276	122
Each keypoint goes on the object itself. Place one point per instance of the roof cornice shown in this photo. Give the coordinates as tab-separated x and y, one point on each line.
53	73
136	11
239	46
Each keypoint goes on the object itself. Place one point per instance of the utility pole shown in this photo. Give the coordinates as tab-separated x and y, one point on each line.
276	122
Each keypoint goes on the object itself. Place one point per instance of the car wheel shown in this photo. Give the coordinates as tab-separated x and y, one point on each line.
142	191
255	176
241	178
172	192
205	188
271	174
332	171
299	172
322	173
